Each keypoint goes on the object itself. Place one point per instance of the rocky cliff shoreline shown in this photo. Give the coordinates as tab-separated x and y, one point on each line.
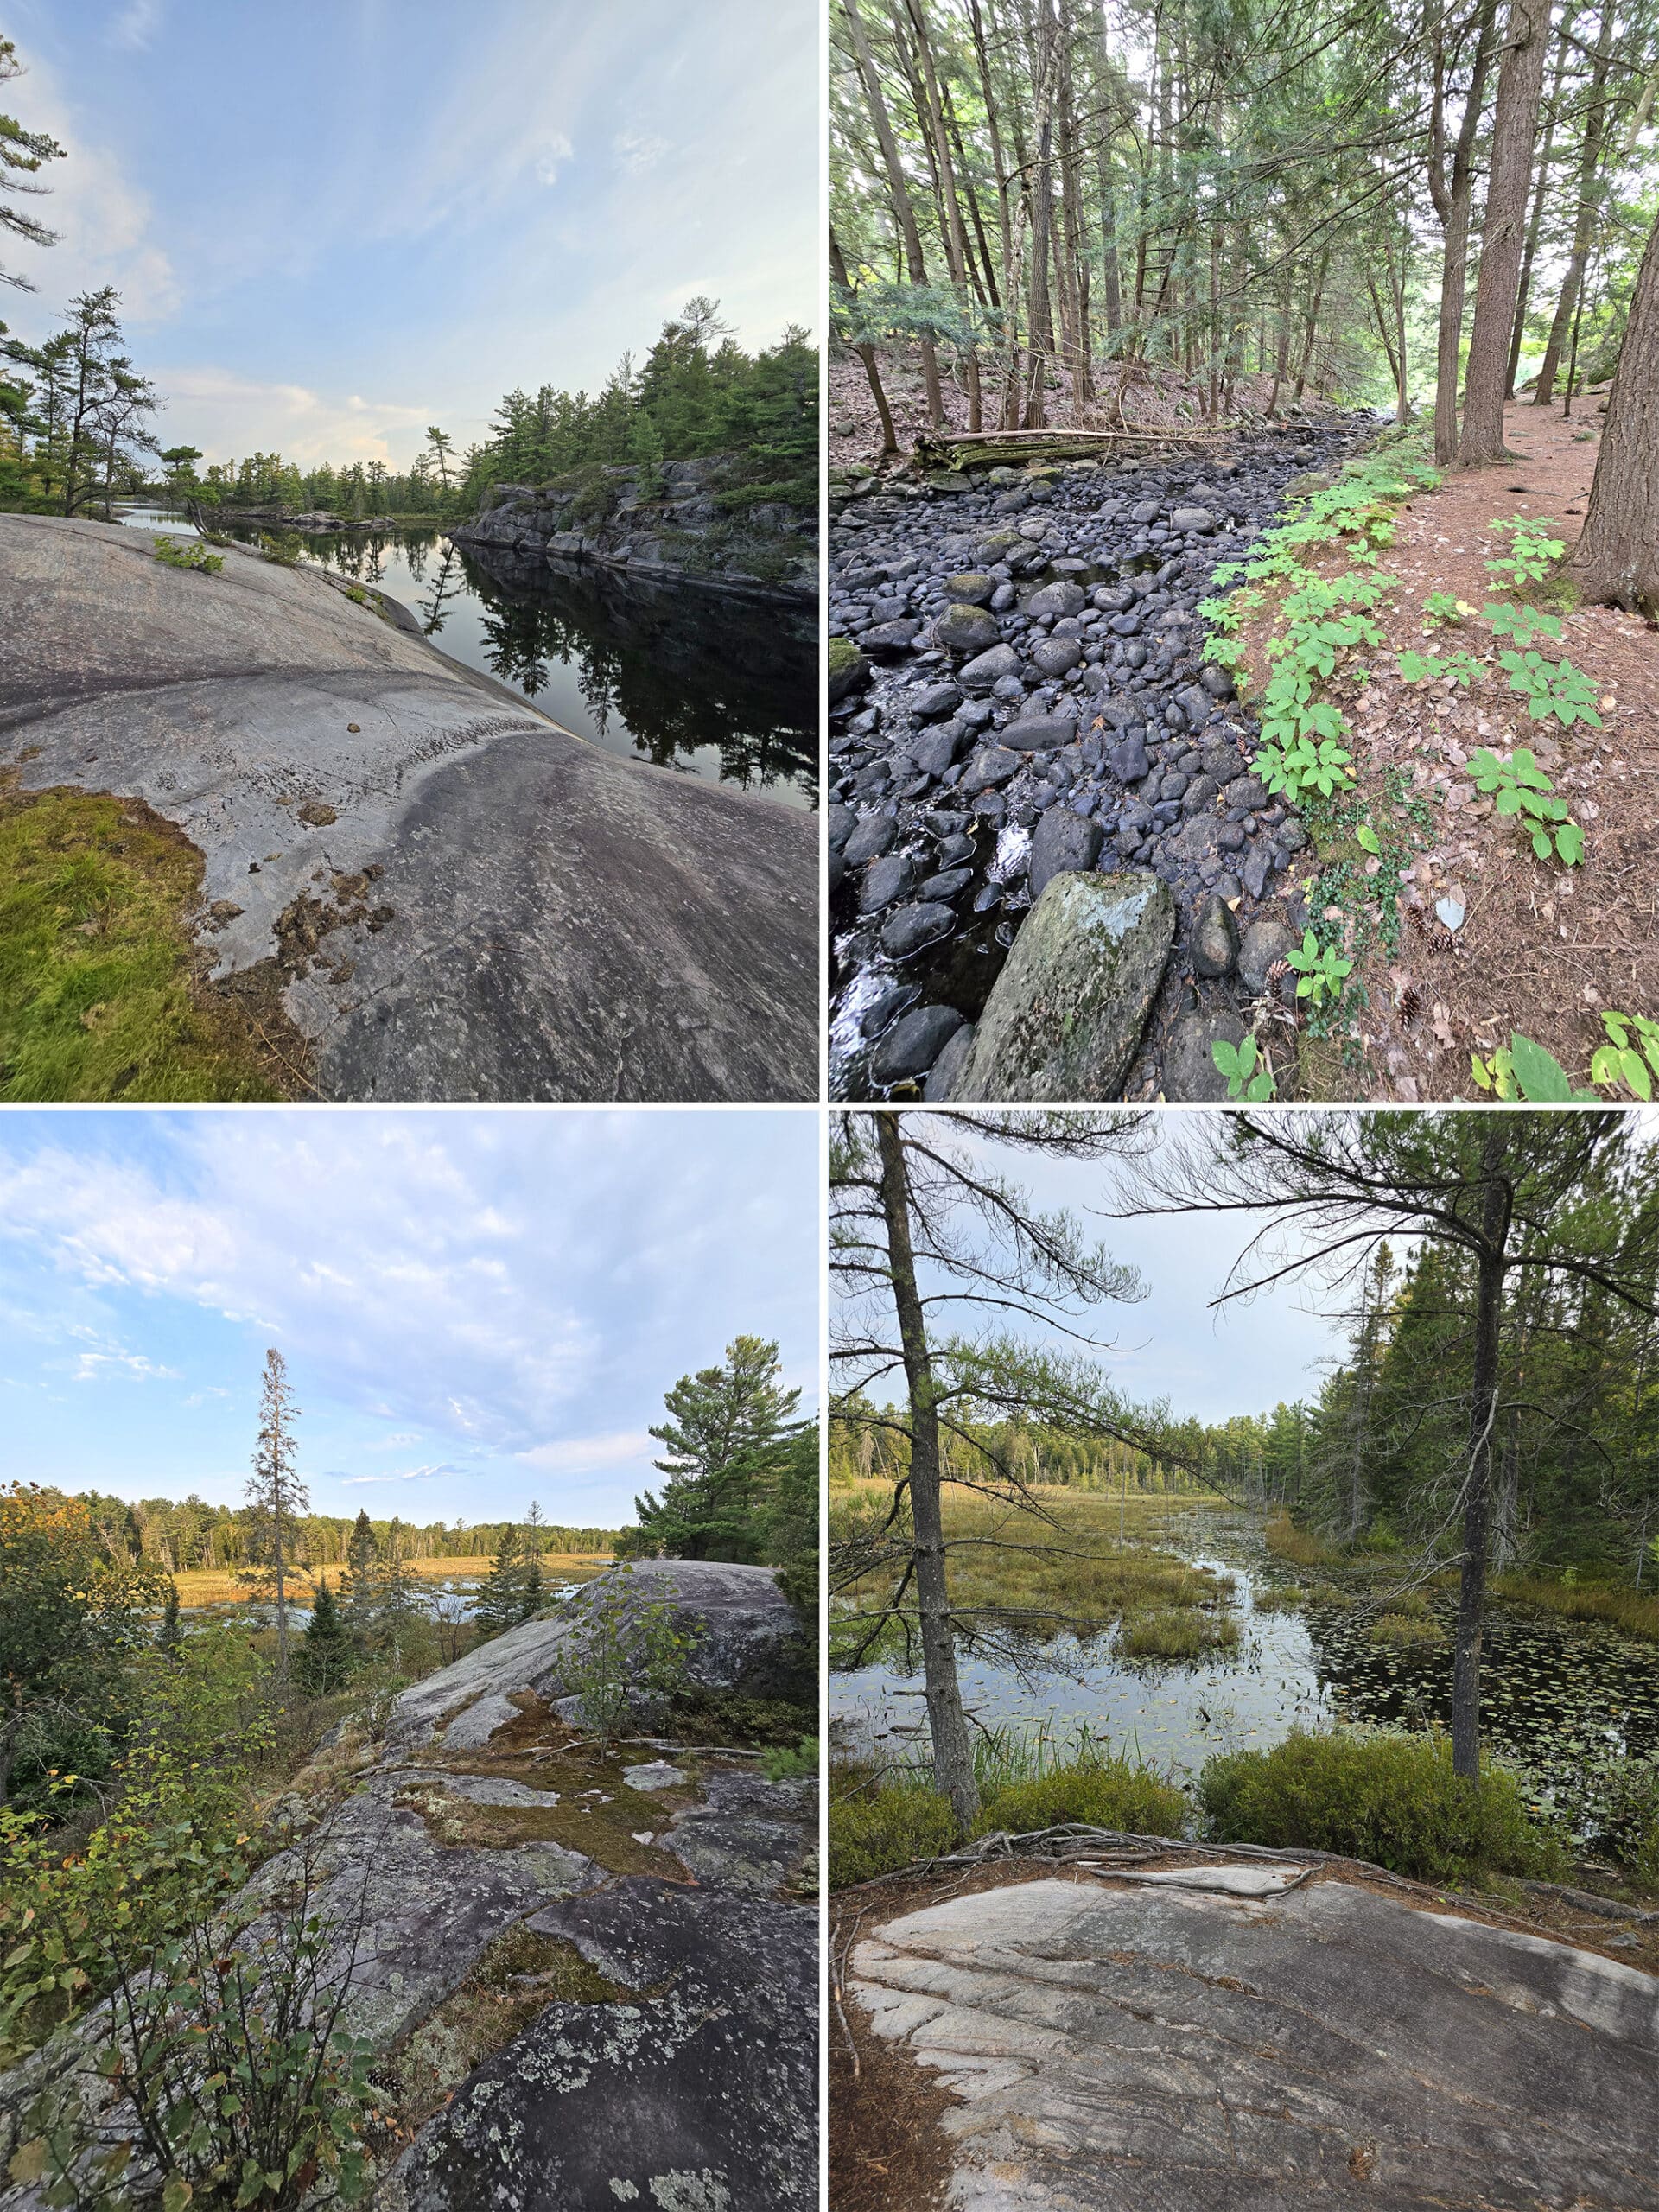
686	523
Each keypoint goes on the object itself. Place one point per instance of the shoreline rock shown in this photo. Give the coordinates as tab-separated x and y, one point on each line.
1091	735
680	530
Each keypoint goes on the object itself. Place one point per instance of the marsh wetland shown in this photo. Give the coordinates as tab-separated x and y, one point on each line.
1571	1705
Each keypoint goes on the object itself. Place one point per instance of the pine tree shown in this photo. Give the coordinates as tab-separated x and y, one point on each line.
535	1580
726	1426
505	1599
401	1609
275	1498
361	1588
325	1658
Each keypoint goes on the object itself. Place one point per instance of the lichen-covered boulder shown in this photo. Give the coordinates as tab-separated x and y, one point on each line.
1065	1017
698	2095
747	1637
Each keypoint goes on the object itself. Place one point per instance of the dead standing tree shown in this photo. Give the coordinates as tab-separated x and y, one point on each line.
923	1222
1517	1194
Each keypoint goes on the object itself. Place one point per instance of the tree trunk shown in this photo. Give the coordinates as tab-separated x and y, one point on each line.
1519	331
1585	223
1515	126
953	1755
1616	560
904	214
866	354
1477	1511
1452	201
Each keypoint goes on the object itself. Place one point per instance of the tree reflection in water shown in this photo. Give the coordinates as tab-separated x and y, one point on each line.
681	670
691	677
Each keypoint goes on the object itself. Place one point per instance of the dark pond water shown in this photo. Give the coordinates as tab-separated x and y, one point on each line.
1567	1701
691	680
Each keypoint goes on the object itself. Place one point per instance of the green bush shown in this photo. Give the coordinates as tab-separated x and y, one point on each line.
1393	1800
1105	1793
892	1828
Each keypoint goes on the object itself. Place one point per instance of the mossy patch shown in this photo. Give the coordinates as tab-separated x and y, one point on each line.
103	993
595	1812
513	1982
714	1716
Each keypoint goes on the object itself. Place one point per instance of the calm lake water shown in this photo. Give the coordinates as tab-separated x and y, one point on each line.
691	681
1559	1698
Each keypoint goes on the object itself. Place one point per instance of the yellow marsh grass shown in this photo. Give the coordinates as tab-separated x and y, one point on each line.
217	1586
1008	1559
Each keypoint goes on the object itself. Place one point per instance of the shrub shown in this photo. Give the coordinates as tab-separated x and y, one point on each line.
623	1649
893	1827
1404	1628
1174	1635
1392	1800
784	1765
1300	1546
187	553
1103	1793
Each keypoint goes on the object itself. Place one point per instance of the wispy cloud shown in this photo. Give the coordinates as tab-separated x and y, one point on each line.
137	23
556	150
122	1366
231	414
638	151
579	1455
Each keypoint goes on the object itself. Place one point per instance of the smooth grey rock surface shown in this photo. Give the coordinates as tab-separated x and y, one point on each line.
550	921
700	2096
706	2082
747	1637
1138	2048
1065	1017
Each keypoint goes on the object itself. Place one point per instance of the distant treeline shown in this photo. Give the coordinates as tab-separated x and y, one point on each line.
190	1533
869	1440
696	393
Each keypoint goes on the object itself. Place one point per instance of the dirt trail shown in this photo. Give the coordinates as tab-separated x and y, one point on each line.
1542	948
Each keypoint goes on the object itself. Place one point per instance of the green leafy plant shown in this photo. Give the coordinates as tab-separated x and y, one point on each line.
1630	1056
786	1765
1525	1068
1391	1799
1523	623
1367	839
1532	548
356	594
1320	971
1552	688
623	1646
284	547
1522	789
187	553
1443	606
1434	668
238	2085
1238	1062
1304	764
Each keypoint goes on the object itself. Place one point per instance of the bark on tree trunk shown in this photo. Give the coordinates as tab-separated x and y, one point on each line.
1616	560
1520	90
904	214
1585	223
953	1755
866	354
1452	200
1519	330
1477	1511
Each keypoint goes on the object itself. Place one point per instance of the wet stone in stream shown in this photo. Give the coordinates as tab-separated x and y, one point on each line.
1036	702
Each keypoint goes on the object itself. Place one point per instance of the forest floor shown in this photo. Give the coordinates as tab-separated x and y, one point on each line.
1131	391
1542	948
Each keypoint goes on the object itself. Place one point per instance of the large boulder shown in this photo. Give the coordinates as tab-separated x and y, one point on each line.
455	898
746	1637
1065	1017
684	2074
1239	2039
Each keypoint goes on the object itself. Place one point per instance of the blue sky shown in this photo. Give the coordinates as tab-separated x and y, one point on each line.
334	222
477	1309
